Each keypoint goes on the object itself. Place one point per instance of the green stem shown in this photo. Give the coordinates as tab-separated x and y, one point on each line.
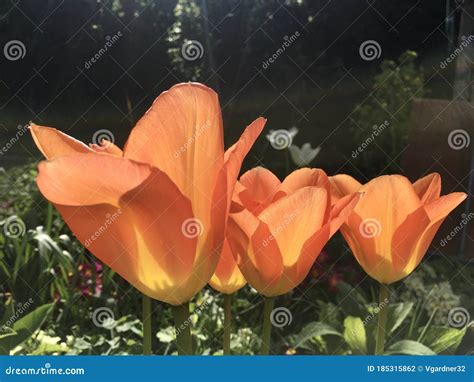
227	322
146	312
382	319
267	325
425	329
182	324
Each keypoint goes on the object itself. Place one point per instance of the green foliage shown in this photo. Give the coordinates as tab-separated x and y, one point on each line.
443	340
49	260
356	333
392	93
408	347
23	327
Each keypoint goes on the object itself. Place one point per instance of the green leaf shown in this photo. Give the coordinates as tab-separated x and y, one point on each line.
407	347
397	314
313	329
25	327
444	340
354	334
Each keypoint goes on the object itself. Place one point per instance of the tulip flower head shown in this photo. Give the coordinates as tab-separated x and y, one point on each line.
170	190
277	229
391	228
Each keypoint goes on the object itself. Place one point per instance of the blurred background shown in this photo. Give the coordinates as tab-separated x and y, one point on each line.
365	87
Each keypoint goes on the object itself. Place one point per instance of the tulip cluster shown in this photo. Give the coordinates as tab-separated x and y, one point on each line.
185	219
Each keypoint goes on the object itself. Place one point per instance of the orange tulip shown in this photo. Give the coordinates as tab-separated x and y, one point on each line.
395	221
277	229
227	278
169	191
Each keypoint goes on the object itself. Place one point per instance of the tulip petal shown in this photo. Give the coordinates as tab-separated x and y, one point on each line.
181	134
235	154
88	179
428	188
314	245
305	177
363	246
386	203
416	235
255	250
146	244
53	143
227	279
105	231
440	208
405	239
341	211
256	189
166	232
294	218
342	185
107	147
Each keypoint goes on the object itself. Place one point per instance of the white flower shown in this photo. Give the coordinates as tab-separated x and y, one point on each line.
281	139
304	155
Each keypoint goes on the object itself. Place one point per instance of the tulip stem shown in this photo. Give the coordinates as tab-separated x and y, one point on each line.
182	324
146	315
267	325
382	319
227	322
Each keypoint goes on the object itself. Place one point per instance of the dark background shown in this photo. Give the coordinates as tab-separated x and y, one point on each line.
314	85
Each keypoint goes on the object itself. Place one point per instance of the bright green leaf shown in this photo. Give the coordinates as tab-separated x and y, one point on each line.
444	340
407	347
354	334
